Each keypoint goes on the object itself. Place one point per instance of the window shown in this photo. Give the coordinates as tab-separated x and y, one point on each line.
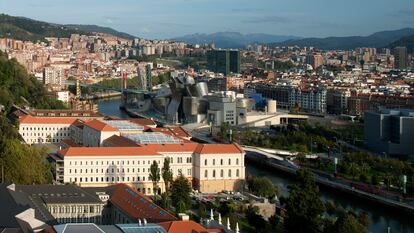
214	173
237	173
205	162
229	172
205	173
221	173
221	161
237	161
214	162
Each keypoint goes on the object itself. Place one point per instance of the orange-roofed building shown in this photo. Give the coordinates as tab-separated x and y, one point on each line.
95	132
44	129
132	206
210	168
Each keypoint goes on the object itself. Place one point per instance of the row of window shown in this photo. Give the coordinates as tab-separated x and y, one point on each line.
229	173
45	128
129	162
74	209
44	134
108	179
108	170
221	162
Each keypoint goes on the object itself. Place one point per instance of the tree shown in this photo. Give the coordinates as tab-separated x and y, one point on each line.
181	194
261	186
155	176
255	219
349	224
304	207
167	174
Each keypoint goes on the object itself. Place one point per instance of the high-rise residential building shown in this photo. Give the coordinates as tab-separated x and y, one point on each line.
315	60
53	75
224	61
401	57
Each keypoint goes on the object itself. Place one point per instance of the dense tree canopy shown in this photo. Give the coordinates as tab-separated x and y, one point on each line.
181	194
22	164
261	186
304	206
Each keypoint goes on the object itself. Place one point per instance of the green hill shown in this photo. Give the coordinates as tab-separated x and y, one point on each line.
16	86
407	41
22	28
22	164
95	28
376	40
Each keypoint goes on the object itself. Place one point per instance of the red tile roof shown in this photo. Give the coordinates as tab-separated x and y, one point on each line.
184	147
138	206
119	141
100	126
107	151
186	227
46	120
69	142
122	149
218	148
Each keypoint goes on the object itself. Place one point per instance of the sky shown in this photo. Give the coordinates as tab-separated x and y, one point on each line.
164	19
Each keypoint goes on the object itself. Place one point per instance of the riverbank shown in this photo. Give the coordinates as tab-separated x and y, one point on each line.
327	183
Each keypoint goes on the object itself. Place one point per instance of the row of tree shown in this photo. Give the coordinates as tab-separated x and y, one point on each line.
177	190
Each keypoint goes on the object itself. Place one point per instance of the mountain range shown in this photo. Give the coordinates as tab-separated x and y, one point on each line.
377	40
22	28
232	39
28	29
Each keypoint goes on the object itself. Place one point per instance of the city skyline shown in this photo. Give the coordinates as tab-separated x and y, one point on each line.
168	19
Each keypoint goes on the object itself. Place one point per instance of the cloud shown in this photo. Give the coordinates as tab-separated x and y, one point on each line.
267	19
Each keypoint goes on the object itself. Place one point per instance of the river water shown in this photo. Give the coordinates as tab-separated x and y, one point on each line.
379	218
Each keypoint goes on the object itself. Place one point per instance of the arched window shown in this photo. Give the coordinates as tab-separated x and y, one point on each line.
205	162
205	173
221	161
214	173
237	161
229	172
229	161
221	173
237	173
214	162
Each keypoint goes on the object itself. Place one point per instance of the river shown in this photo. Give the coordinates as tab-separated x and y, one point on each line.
379	218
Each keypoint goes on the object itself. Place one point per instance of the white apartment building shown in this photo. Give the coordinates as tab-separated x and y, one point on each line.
95	132
53	75
210	168
46	129
63	96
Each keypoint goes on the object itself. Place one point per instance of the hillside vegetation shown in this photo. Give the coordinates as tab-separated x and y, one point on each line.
22	164
26	29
